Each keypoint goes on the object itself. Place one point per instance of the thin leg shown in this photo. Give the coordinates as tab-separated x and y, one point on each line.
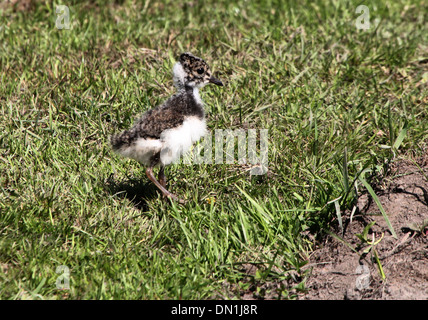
149	173
162	177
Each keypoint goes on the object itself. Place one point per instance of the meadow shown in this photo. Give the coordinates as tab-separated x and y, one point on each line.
341	100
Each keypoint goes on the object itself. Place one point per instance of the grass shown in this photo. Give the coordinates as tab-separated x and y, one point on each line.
337	102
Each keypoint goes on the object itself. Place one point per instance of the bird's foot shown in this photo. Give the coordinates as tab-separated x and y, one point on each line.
175	198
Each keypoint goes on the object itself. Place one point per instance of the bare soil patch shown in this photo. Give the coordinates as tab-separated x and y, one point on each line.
340	273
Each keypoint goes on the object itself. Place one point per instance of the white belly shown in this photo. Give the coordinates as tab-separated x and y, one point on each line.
172	144
177	141
143	150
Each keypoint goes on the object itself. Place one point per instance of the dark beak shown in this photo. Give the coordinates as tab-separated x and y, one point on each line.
216	81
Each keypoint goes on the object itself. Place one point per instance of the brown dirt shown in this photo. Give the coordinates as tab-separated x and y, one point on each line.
340	273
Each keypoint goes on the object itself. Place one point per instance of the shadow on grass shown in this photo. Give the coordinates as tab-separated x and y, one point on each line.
138	191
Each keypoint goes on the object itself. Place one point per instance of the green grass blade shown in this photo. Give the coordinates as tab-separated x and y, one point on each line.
376	199
400	137
379	265
345	170
340	239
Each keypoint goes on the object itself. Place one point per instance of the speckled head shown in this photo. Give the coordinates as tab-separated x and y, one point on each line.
192	71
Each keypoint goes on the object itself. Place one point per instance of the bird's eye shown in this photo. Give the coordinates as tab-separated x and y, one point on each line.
200	71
